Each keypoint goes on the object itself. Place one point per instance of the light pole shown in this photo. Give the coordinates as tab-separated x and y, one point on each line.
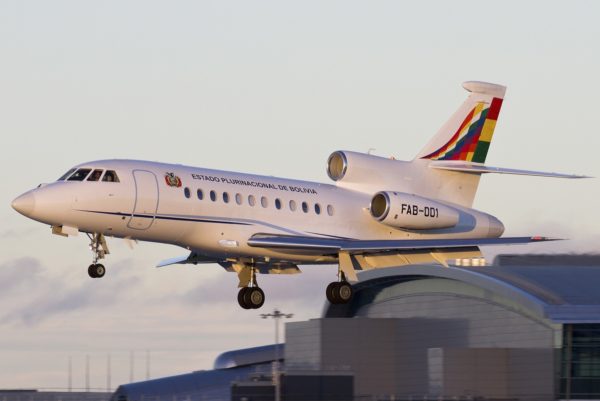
277	315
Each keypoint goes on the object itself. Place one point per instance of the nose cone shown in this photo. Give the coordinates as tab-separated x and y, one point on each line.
496	227
24	204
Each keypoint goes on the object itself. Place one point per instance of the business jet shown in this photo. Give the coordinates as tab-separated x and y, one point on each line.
380	212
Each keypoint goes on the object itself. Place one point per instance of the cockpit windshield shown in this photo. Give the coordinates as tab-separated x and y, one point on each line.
80	174
110	176
95	176
75	174
65	175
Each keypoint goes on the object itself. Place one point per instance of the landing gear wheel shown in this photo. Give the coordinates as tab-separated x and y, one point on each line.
344	292
339	292
254	297
241	296
331	291
251	297
96	270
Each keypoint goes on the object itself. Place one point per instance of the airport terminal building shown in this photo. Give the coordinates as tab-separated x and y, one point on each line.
524	328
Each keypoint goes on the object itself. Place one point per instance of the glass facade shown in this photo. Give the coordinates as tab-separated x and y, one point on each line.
580	362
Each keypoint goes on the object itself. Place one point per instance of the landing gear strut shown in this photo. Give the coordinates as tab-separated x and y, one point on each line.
251	296
99	250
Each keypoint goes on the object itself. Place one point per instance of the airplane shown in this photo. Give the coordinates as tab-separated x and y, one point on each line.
380	212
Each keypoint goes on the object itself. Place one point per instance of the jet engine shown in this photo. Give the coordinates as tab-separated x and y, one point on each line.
407	211
349	166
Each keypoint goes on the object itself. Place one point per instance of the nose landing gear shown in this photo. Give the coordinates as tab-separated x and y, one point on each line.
96	270
99	249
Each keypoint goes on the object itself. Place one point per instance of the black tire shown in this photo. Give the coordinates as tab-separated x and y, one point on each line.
344	292
254	298
92	271
100	270
241	298
332	293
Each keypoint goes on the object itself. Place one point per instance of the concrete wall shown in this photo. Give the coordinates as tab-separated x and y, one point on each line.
526	374
504	349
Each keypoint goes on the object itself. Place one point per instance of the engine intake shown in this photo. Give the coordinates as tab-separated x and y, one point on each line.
337	164
407	211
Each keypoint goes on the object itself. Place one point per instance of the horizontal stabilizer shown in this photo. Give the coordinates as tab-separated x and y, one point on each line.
334	245
477	168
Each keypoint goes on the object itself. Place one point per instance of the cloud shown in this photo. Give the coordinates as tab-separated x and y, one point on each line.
19	233
27	278
16	273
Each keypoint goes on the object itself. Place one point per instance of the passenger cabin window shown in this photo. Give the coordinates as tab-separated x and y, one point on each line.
110	176
330	210
264	201
238	198
80	174
225	197
200	194
65	175
213	196
186	192
278	203
95	176
317	208
251	200
305	207
293	205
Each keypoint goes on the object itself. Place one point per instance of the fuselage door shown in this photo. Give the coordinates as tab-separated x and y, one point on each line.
146	200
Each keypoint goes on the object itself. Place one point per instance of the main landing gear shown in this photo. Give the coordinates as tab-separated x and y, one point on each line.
340	292
99	250
250	296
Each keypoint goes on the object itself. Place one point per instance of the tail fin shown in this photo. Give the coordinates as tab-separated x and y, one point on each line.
468	133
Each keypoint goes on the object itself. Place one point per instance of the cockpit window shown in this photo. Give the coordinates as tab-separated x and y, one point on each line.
65	175
110	176
80	174
95	176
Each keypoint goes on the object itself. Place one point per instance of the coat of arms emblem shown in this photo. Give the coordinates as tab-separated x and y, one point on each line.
172	180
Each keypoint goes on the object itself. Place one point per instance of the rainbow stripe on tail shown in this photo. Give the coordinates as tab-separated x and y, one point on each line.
471	141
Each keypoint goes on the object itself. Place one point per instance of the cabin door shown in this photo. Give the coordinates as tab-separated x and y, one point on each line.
146	200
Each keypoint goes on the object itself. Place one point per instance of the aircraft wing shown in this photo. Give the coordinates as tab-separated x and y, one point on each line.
336	245
478	168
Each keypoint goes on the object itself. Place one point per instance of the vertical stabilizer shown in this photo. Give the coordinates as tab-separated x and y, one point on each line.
468	133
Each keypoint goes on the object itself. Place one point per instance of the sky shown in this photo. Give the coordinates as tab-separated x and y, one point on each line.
265	87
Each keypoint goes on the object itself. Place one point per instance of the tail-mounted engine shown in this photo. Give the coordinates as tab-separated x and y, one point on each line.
352	167
402	210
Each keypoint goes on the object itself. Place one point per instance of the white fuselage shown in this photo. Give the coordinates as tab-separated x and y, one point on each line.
144	206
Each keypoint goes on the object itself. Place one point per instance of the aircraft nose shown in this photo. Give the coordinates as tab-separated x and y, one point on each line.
24	204
496	227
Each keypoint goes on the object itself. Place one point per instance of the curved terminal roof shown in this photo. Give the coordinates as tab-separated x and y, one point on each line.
562	294
212	384
248	356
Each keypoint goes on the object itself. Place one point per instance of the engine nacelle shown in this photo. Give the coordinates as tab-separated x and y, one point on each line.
402	210
349	166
